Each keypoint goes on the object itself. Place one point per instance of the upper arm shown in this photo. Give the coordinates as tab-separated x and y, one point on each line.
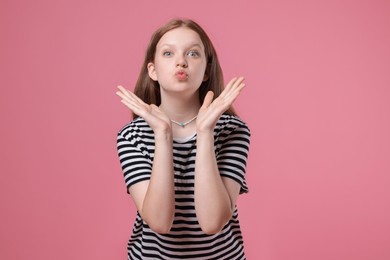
136	168
138	192
231	159
233	189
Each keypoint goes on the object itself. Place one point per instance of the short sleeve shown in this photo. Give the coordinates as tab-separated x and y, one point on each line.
233	154
136	164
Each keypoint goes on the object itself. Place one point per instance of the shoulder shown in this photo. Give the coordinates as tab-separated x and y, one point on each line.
138	128
228	123
136	136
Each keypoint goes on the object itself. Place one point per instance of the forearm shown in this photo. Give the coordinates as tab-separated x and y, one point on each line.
212	202
159	203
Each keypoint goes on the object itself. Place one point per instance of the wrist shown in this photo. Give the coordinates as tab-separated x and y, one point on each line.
204	131
205	135
163	135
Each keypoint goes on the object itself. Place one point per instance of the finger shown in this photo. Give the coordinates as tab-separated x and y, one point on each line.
135	101
227	87
123	90
141	111
208	99
135	97
234	93
237	83
155	108
236	89
129	105
123	93
129	94
128	100
233	83
123	96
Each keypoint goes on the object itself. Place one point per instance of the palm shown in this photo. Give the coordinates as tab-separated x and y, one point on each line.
156	119
211	110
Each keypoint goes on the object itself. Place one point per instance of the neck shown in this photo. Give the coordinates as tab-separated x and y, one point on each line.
180	109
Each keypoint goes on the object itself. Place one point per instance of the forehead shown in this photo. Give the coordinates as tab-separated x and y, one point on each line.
180	37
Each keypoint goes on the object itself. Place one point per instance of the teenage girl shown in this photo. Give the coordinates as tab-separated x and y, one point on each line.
184	154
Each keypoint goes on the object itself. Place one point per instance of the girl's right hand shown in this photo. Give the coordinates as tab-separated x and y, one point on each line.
157	119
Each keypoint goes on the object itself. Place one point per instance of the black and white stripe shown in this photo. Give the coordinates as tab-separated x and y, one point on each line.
185	240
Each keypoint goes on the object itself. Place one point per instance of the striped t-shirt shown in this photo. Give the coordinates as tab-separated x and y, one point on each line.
185	240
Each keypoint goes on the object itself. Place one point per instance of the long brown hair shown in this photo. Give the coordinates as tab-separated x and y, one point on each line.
149	90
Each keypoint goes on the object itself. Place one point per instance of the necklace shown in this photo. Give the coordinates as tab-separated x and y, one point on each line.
184	124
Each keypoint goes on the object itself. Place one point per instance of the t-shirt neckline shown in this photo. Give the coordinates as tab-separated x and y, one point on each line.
184	139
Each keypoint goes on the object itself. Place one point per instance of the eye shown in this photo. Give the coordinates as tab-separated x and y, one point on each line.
167	53
193	53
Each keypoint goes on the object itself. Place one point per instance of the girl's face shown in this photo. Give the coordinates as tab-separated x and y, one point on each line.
180	62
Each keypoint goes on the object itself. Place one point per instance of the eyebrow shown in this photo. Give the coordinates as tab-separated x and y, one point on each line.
172	45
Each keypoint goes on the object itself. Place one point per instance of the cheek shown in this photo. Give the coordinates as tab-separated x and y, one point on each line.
202	70
161	70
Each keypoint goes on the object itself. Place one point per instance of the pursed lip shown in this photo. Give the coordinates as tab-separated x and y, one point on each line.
181	73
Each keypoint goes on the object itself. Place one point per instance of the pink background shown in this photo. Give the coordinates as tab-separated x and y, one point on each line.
317	101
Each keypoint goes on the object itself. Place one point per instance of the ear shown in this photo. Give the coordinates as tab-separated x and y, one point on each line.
206	73
152	71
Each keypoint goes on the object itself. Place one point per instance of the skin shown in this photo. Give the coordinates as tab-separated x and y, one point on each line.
181	49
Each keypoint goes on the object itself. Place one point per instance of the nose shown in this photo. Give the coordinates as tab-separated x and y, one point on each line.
181	62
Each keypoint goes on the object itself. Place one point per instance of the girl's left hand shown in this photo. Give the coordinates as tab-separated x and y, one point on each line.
210	111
